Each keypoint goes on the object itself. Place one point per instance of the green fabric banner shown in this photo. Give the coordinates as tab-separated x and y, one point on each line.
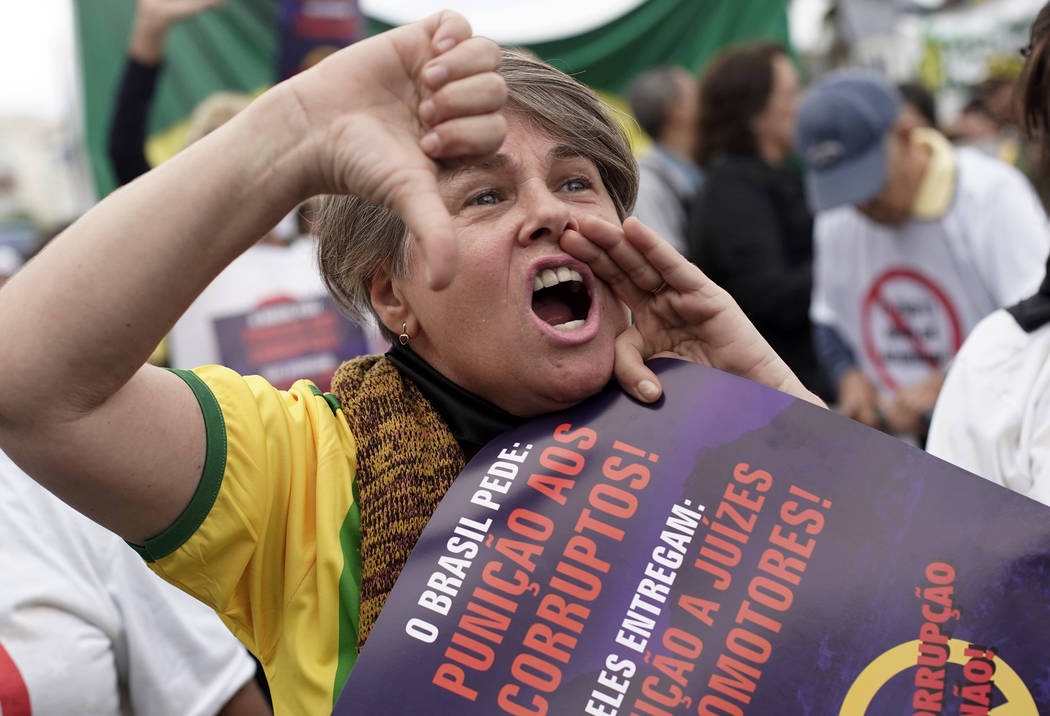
232	48
660	32
235	47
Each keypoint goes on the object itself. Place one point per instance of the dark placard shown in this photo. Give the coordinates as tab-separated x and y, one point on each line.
310	30
730	550
286	339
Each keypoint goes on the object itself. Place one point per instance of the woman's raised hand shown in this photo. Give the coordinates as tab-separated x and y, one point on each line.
379	113
677	311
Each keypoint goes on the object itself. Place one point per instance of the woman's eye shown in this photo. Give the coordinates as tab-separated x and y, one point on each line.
577	184
485	198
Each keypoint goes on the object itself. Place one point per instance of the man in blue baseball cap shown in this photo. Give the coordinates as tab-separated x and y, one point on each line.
915	242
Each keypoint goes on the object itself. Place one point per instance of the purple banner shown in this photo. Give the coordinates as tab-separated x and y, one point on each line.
728	551
288	339
312	29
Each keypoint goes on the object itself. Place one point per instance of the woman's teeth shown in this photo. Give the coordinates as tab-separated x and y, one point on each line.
570	325
552	277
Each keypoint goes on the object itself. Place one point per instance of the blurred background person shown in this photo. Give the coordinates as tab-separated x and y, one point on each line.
976	127
86	627
145	58
916	241
750	229
993	413
666	104
268	312
997	93
918	105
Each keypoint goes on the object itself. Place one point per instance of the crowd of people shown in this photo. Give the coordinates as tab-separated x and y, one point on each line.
486	216
862	242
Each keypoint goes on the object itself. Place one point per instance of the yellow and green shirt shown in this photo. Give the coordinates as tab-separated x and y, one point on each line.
273	548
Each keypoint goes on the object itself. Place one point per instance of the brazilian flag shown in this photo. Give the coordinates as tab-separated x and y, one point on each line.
247	45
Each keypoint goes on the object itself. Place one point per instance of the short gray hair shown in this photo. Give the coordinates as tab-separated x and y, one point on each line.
649	96
358	239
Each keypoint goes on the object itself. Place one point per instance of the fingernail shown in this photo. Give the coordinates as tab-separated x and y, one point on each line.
427	111
648	390
445	44
430	143
435	75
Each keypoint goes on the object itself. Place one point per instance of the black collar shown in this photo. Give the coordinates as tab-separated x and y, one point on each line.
1034	311
473	420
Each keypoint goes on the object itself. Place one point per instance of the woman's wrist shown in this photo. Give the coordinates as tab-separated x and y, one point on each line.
285	149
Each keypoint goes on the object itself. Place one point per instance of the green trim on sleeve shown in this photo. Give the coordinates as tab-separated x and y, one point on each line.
333	402
176	534
349	596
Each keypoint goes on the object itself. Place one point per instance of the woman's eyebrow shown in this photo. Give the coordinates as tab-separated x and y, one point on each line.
564	152
495	162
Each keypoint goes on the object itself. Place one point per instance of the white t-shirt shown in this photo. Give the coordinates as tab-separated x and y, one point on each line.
268	313
86	628
993	413
904	299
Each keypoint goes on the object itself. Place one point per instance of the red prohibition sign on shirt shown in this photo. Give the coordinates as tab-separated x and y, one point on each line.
14	696
877	300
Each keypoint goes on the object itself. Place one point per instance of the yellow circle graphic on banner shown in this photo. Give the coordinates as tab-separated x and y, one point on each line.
1019	701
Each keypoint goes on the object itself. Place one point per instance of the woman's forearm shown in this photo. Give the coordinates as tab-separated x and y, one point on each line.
125	443
84	315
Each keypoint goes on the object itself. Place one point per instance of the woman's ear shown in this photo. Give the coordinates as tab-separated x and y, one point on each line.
389	303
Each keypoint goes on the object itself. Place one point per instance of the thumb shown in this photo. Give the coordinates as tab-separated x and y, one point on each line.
629	367
426	217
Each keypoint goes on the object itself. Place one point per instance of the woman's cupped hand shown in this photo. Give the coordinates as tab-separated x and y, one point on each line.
677	311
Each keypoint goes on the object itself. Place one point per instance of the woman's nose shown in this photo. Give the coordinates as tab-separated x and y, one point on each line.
546	215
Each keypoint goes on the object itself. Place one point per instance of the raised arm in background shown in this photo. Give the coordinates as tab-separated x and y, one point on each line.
126	144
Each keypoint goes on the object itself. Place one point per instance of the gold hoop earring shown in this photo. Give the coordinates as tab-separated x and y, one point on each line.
403	337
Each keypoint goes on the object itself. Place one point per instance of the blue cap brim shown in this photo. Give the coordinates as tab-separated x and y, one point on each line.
852	182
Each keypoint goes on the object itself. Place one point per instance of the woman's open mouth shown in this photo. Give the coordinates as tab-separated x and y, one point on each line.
562	300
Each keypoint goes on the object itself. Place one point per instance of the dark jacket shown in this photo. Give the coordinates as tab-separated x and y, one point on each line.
750	230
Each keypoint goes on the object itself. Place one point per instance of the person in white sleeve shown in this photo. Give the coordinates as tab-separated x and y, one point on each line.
86	628
993	413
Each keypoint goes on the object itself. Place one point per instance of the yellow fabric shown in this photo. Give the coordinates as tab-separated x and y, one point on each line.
939	180
163	145
159	356
638	139
267	556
